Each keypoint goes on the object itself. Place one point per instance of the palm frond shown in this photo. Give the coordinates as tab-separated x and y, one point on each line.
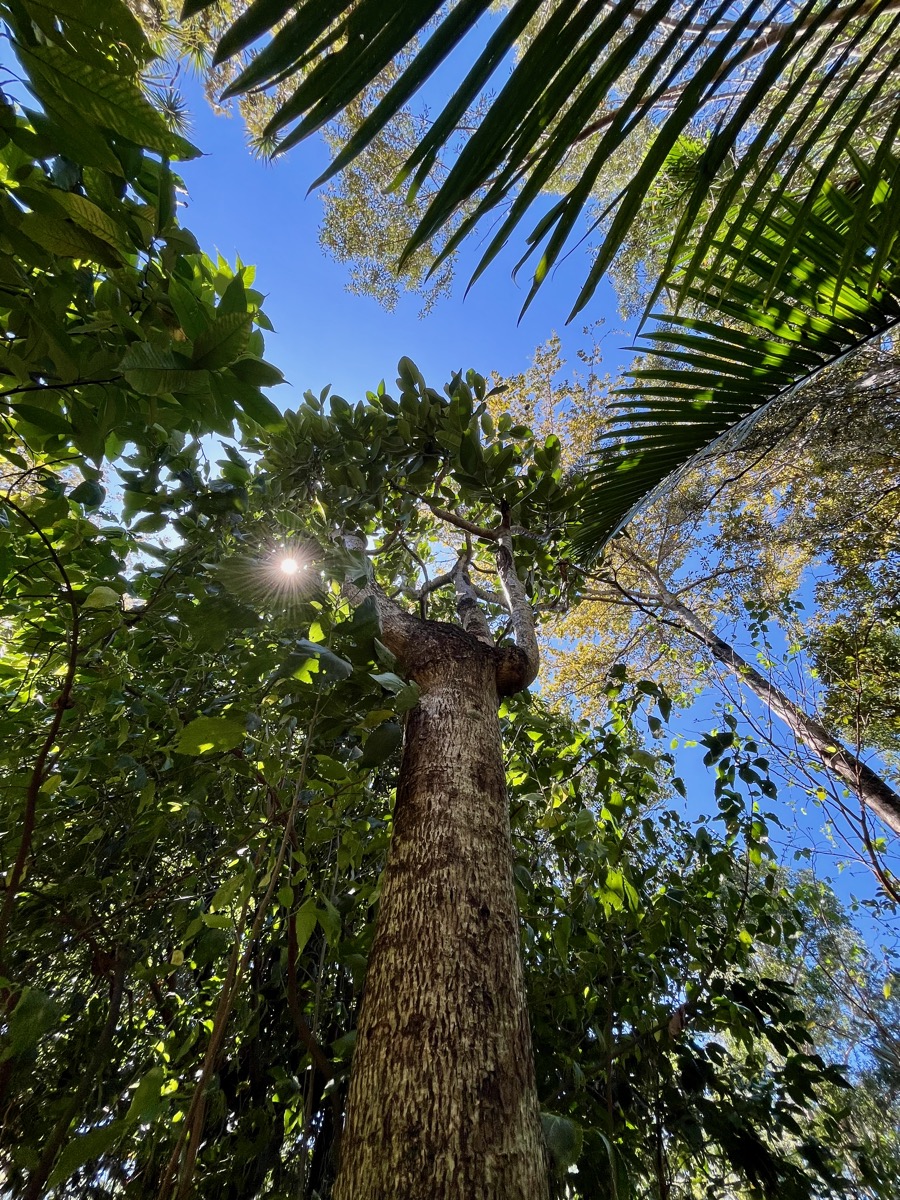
710	378
589	75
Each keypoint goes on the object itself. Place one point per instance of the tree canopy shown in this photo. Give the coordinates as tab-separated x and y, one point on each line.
202	720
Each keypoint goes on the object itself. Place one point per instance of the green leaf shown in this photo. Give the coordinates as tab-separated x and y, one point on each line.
674	414
561	933
210	735
102	597
257	372
389	681
223	342
382	742
67	240
113	17
227	891
564	1140
109	100
85	1148
343	1047
188	308
145	1101
43	418
331	665
585	823
304	924
258	18
34	1015
261	410
93	219
330	920
90	493
407	698
155	372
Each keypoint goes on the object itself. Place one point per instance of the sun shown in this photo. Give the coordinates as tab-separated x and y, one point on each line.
289	566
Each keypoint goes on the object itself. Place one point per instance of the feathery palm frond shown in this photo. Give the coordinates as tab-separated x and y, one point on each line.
788	87
783	301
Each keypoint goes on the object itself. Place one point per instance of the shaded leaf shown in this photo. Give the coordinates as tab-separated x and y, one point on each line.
210	735
382	742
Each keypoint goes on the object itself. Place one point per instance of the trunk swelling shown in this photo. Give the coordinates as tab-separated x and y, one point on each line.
442	1102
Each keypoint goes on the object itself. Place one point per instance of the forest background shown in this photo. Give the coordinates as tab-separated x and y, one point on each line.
69	1138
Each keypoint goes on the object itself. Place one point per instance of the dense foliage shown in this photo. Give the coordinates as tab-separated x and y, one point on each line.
198	746
188	946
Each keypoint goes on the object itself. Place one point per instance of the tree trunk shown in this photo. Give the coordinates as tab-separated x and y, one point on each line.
442	1102
874	792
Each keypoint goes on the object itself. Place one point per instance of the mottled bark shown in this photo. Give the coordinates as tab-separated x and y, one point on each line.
442	1102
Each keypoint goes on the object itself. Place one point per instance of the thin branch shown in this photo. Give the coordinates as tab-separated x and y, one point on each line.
479	531
39	770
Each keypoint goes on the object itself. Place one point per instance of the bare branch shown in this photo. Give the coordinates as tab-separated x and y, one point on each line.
479	531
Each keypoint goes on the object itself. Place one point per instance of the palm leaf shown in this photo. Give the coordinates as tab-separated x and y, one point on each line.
830	65
710	378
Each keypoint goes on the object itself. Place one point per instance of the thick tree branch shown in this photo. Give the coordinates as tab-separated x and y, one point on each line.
520	610
398	628
471	616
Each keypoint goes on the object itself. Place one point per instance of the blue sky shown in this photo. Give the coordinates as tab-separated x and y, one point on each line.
324	335
261	211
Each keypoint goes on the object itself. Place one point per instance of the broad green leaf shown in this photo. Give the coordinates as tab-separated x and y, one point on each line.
331	664
330	920
257	372
561	933
156	372
227	891
90	493
585	823
84	1148
34	1015
406	698
305	923
113	17
382	742
564	1139
145	1100
344	1046
111	101
223	342
68	240
43	418
92	218
102	597
390	681
261	410
210	735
